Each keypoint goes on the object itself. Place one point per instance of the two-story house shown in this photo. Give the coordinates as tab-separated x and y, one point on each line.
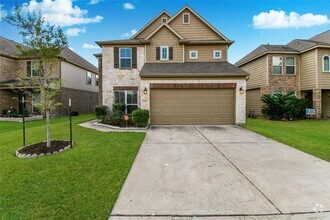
79	80
301	66
176	67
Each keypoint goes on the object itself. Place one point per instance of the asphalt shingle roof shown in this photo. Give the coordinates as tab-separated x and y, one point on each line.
323	37
8	48
192	69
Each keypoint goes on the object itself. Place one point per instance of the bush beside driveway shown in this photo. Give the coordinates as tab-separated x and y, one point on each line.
82	183
310	136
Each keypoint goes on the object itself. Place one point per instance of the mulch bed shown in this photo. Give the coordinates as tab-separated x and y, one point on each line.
40	148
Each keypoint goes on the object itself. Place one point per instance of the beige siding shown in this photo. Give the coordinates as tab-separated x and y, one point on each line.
307	70
253	101
326	103
196	30
324	77
153	26
205	53
192	106
165	37
74	77
258	72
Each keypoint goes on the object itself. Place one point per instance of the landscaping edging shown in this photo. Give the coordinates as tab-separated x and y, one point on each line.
20	119
122	128
22	155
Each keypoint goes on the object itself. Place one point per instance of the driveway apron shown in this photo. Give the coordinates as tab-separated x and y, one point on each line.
221	171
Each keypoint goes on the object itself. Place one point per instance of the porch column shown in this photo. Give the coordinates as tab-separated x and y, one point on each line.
317	102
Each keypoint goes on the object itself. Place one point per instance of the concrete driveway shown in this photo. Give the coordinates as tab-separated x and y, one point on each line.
222	172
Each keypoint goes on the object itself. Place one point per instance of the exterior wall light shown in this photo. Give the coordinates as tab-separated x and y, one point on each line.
241	90
145	91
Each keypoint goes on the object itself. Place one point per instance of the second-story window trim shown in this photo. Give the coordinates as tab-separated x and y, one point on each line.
164	53
277	65
217	54
186	18
96	80
125	58
290	67
326	63
88	78
193	54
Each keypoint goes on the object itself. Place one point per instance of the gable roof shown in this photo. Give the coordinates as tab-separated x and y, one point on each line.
168	27
150	22
8	49
304	45
323	37
191	69
265	49
201	18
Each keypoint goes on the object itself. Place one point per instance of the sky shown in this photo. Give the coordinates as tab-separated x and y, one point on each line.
247	22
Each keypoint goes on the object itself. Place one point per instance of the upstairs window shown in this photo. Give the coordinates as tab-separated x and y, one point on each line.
33	68
186	18
164	20
88	78
217	54
96	80
125	58
290	66
193	54
277	65
164	53
325	64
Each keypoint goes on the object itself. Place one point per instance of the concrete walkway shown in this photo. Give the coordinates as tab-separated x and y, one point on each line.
222	172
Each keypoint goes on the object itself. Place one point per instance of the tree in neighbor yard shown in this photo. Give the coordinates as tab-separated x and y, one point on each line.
44	43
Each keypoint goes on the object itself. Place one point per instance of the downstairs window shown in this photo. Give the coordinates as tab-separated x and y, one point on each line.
128	98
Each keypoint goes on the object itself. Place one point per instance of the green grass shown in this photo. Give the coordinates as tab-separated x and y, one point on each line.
310	136
82	183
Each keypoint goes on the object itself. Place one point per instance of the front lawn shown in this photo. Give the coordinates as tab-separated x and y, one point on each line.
310	136
81	183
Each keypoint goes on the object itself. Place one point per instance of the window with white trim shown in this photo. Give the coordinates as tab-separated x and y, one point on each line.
96	80
277	65
164	20
35	68
325	63
125	58
186	18
193	54
128	98
217	54
290	66
36	100
164	52
89	78
291	92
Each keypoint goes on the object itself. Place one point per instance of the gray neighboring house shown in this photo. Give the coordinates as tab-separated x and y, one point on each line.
79	80
301	66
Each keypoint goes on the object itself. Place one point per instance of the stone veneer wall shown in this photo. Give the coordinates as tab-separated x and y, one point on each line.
240	98
118	77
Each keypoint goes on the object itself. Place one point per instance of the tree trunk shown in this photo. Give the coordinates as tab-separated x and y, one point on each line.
48	127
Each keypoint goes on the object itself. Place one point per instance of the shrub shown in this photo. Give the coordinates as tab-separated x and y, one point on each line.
118	107
101	111
4	111
113	118
140	117
280	106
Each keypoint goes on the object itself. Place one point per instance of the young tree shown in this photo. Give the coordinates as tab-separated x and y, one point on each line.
44	43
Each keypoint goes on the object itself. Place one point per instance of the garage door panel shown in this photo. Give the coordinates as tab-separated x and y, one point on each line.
192	106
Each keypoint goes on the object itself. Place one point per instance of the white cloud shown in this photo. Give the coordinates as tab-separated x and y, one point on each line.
72	32
3	13
61	12
280	19
93	2
90	46
128	6
130	33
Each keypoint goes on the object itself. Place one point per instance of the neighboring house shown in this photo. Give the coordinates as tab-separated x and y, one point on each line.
301	66
176	67
79	80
